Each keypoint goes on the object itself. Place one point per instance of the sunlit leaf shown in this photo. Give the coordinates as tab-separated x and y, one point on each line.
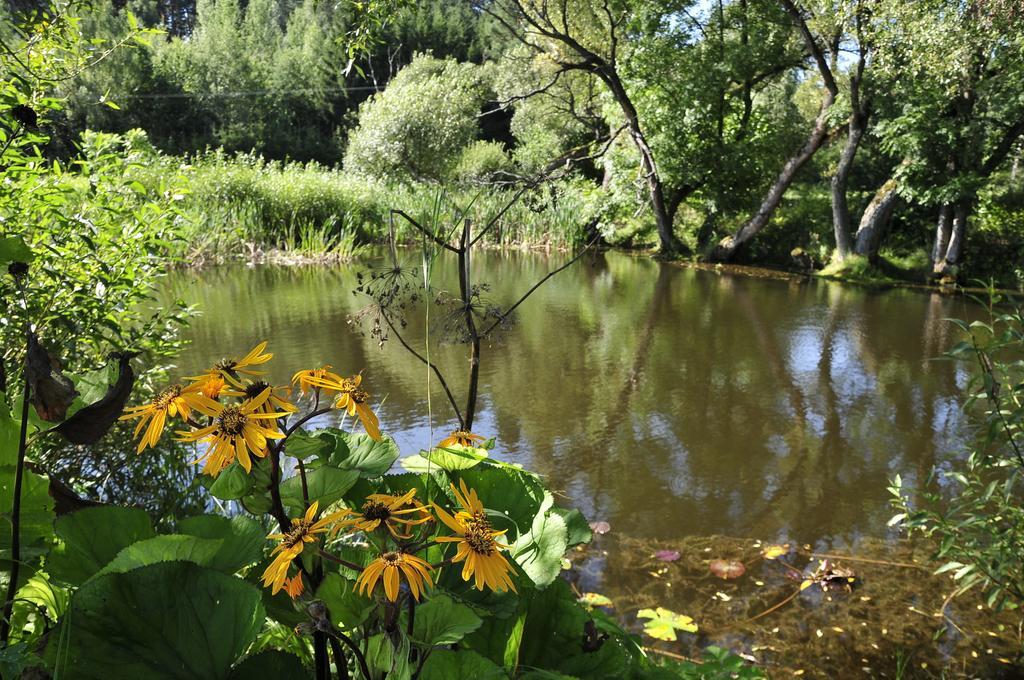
663	623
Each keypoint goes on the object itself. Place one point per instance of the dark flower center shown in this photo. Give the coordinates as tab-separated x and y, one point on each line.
164	399
295	536
480	541
255	389
231	420
373	510
392	559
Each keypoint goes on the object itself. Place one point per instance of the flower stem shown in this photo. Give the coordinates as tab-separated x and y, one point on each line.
12	586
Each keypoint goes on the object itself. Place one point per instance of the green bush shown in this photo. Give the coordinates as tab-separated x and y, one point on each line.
417	128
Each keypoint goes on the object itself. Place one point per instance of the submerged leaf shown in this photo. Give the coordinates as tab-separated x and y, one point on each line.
772	552
727	569
600	528
664	623
667	555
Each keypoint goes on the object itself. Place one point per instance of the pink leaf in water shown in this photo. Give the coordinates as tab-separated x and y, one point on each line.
601	527
727	569
667	555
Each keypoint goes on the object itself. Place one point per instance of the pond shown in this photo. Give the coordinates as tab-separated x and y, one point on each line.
669	402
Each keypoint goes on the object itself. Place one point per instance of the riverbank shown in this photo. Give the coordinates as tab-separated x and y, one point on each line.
242	208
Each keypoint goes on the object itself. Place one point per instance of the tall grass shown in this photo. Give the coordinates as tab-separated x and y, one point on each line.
243	206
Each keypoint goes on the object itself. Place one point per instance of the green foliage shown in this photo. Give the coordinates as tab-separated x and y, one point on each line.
418	127
167	620
975	513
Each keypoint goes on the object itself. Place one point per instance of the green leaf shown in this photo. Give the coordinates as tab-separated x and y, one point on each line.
176	547
326	484
232	483
664	623
346	608
270	663
359	452
242	539
10	432
516	494
539	552
304	445
93	537
391	662
36	515
443	621
448	459
577	528
14	249
40	590
443	664
169	620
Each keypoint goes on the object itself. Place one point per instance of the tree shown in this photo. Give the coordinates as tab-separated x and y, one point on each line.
417	128
591	37
960	67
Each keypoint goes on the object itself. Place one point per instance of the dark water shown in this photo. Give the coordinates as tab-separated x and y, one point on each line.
669	402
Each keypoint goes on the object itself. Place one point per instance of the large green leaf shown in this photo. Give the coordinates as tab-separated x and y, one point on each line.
14	249
93	537
168	620
242	539
443	621
513	493
172	548
448	459
232	483
539	552
10	431
270	663
360	452
36	515
443	664
326	484
345	606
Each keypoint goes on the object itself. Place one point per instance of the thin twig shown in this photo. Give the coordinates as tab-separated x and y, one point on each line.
504	315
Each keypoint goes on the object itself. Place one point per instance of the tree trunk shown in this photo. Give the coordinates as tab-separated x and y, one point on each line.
727	248
842	223
875	221
957	236
943	230
669	244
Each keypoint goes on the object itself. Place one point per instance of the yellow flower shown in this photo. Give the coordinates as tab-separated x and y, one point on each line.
392	566
383	509
462	438
213	385
255	357
303	531
477	543
354	401
236	432
315	378
294	586
252	389
173	401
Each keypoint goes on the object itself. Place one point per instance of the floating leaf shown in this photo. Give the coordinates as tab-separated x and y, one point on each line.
807	583
772	552
667	555
664	623
594	600
600	528
727	569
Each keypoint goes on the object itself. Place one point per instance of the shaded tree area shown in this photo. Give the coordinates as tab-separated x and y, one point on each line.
856	134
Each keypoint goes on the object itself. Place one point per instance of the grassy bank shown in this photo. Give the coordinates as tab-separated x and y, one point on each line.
243	207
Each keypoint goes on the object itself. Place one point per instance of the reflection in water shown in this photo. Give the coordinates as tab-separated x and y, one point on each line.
667	401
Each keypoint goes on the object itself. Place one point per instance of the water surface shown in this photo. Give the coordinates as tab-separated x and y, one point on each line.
666	401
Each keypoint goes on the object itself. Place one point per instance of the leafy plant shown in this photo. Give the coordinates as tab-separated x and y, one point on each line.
974	511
